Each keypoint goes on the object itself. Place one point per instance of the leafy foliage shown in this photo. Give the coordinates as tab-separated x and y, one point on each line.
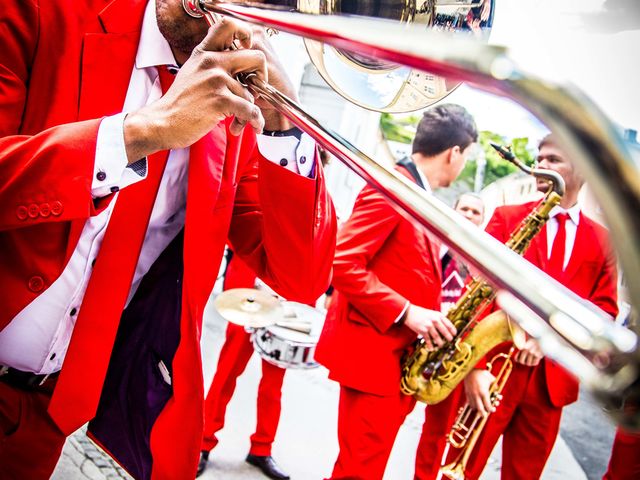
399	129
496	167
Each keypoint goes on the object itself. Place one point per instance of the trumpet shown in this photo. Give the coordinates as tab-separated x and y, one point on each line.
469	423
569	329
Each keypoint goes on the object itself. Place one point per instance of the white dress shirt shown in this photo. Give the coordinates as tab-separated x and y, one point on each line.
571	226
36	340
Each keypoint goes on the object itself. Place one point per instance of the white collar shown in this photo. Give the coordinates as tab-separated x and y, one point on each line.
424	179
573	212
153	48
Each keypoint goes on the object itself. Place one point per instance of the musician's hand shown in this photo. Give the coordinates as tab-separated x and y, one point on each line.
486	10
204	92
530	353
278	79
477	386
433	325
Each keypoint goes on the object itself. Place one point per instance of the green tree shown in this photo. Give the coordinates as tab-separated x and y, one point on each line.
399	129
496	167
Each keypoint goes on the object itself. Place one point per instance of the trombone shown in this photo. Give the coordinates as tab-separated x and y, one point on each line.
573	332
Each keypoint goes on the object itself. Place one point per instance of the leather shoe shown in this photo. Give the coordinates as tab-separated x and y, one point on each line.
202	463
268	466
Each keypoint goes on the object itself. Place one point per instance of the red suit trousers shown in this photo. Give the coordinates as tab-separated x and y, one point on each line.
367	427
625	457
528	422
234	356
30	441
438	420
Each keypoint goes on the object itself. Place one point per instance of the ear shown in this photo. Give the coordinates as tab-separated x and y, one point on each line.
452	153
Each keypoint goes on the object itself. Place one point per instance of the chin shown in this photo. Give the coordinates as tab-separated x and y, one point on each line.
182	32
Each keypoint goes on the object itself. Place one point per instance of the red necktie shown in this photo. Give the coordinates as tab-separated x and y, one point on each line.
77	393
556	260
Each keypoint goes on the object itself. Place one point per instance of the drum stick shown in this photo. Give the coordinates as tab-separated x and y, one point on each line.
303	327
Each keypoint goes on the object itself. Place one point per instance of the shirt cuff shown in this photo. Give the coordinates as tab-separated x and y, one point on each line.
110	172
404	310
298	156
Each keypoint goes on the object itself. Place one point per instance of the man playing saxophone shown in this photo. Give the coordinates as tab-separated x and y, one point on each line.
387	283
575	251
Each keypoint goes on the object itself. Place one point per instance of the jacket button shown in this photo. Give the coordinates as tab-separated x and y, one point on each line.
56	208
34	210
22	212
101	176
36	283
284	162
45	209
303	159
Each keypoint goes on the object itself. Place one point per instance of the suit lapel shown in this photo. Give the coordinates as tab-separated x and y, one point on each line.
104	82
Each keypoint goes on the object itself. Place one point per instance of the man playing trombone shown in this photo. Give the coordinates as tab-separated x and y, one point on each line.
575	251
108	111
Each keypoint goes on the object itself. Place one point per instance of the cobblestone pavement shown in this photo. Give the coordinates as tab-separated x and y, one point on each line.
81	459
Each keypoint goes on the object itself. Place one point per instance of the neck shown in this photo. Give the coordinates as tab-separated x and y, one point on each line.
181	57
430	168
569	199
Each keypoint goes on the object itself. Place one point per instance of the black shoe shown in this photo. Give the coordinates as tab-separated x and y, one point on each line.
202	464
268	466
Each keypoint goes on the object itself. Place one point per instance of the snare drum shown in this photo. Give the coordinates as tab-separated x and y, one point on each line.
288	348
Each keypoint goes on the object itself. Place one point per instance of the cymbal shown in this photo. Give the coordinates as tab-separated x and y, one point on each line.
248	307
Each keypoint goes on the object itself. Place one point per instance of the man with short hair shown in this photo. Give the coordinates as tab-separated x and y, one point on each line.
471	206
125	166
387	282
575	251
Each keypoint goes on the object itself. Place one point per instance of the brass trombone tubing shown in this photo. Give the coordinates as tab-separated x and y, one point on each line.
584	132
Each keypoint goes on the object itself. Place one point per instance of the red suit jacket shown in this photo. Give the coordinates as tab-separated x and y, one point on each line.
382	261
590	273
64	66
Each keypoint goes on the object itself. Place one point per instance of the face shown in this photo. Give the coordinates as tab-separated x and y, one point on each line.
457	161
551	157
181	31
472	208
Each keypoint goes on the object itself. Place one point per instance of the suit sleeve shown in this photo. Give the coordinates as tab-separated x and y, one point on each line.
368	229
296	225
497	227
53	167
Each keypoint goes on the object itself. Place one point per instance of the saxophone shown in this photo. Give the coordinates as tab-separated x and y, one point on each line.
431	376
